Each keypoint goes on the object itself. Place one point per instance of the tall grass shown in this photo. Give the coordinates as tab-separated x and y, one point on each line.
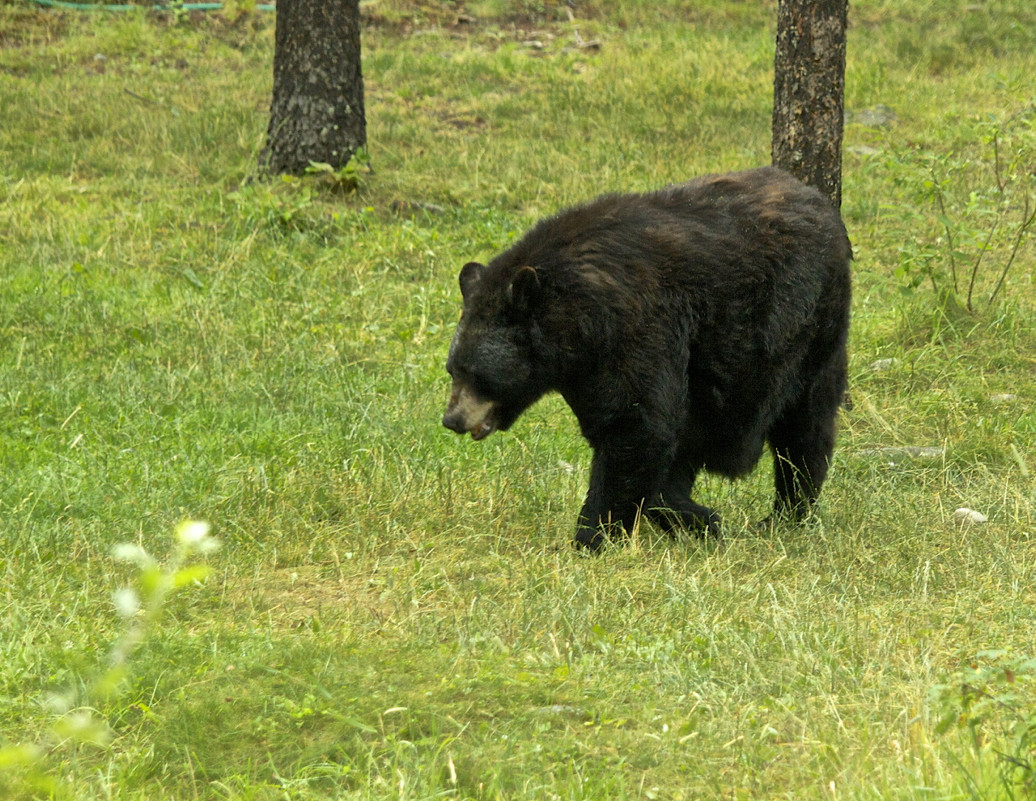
395	612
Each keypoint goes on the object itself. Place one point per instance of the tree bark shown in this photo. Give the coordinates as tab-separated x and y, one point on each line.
317	113
809	91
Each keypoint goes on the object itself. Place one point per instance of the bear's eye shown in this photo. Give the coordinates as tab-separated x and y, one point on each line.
478	382
486	383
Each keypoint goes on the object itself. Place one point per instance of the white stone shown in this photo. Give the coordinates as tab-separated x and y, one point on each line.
965	515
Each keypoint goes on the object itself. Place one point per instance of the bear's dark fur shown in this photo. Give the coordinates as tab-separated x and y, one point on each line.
684	328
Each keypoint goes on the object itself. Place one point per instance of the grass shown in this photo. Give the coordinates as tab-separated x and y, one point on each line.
395	612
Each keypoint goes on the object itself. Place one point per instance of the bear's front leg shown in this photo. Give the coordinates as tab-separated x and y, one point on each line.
622	477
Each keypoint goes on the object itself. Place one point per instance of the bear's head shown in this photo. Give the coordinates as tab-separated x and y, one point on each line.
493	356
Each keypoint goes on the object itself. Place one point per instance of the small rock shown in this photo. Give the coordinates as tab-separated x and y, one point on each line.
582	44
564	711
1003	397
864	150
881	365
969	516
880	116
902	453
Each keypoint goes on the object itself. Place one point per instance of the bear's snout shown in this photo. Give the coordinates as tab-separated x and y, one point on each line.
468	412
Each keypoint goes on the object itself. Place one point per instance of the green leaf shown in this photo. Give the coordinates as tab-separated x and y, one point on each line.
195	574
21	754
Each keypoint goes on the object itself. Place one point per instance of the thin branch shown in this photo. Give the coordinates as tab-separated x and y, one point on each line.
1027	220
141	98
945	224
981	253
996	163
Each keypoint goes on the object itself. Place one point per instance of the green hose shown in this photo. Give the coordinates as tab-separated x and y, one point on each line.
159	7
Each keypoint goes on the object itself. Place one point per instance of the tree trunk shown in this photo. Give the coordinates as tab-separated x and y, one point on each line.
809	90
317	112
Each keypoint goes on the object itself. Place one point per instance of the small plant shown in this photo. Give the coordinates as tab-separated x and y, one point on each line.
991	218
347	178
993	700
288	201
179	13
78	721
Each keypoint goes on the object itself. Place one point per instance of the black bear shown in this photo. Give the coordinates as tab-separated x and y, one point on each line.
684	328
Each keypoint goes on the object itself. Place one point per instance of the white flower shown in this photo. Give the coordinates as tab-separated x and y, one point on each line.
130	552
194	537
127	602
192	532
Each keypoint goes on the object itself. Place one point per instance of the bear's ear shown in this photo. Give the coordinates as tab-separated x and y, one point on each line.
469	275
524	290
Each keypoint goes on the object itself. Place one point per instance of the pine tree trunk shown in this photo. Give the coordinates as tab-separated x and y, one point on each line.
809	90
317	113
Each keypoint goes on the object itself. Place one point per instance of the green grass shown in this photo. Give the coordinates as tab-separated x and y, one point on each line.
396	612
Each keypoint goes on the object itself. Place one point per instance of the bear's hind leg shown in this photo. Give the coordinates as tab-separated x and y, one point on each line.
673	508
802	441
